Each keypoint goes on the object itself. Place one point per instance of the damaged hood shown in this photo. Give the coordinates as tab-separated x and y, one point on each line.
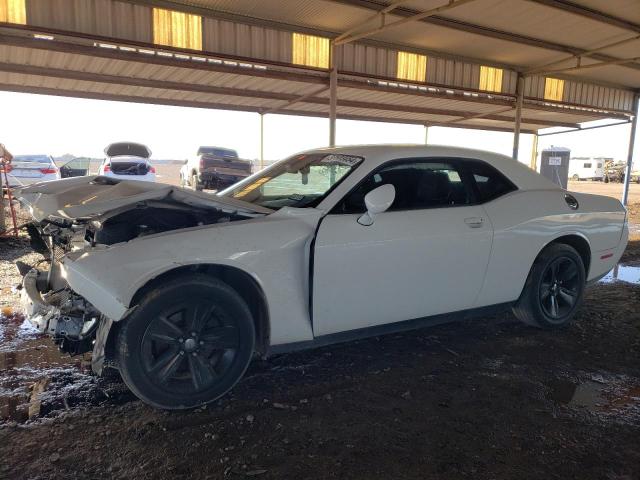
84	197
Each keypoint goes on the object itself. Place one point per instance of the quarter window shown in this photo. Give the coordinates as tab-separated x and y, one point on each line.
418	184
490	183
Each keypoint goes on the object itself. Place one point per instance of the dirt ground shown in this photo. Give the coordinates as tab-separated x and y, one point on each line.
482	399
610	189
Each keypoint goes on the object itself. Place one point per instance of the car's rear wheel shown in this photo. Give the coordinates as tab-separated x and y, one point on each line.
554	289
187	343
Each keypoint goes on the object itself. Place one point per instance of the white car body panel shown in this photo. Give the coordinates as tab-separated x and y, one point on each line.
148	177
429	261
127	153
408	264
273	250
523	227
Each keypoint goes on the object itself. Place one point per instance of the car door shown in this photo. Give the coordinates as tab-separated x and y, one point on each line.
78	167
424	256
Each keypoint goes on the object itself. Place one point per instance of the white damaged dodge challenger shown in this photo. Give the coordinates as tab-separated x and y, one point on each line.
179	289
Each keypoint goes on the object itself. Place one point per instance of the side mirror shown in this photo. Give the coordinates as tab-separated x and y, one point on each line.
377	201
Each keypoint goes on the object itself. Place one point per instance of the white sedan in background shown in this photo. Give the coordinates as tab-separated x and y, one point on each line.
28	169
128	161
178	289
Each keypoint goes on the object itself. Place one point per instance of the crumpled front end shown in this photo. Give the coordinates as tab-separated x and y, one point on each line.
61	313
73	300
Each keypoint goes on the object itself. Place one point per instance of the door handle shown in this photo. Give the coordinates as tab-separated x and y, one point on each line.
474	222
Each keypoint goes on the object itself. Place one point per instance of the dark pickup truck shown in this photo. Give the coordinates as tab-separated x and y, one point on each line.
214	168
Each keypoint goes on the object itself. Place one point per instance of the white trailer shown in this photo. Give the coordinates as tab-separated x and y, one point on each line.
587	168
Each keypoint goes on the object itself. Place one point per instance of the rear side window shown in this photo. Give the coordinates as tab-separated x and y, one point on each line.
587	165
489	182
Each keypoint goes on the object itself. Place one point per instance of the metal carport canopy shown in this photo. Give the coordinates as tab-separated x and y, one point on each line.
105	49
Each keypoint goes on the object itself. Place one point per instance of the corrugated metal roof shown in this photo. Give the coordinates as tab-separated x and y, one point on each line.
246	62
505	34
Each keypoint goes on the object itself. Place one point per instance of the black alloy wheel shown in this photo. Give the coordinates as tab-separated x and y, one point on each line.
187	342
559	288
189	347
554	288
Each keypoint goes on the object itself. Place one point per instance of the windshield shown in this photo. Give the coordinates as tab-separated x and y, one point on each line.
300	181
31	158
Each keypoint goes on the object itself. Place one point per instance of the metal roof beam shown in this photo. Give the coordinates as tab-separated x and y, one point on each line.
301	98
219	106
480	127
540	68
581	129
478	115
373	17
292	76
208	89
486	31
352	37
589	66
583	11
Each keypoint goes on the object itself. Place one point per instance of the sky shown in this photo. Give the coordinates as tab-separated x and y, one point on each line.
59	125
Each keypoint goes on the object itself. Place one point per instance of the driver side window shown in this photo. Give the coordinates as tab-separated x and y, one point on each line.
418	184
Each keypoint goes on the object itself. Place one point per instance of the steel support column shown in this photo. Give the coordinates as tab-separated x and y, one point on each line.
632	140
2	221
518	121
333	97
426	134
261	141
534	153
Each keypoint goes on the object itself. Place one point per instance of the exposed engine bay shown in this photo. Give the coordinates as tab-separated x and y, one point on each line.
51	305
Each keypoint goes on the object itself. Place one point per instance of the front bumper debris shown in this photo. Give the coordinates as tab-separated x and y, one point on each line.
69	319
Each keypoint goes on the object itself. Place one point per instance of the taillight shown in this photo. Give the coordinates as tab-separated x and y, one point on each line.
152	169
107	168
201	164
48	170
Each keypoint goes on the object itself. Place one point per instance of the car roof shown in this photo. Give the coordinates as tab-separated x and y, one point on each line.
376	155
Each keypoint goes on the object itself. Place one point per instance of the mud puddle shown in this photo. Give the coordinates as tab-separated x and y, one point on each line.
36	379
623	273
610	398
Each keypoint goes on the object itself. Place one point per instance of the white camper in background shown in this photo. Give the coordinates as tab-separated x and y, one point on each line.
587	168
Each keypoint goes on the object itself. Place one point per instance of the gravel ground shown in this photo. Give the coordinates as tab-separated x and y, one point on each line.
482	399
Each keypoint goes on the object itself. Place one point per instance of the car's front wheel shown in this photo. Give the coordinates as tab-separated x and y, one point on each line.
554	289
186	343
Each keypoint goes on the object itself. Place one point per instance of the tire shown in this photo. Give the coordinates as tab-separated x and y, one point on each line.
194	183
543	287
187	343
576	178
